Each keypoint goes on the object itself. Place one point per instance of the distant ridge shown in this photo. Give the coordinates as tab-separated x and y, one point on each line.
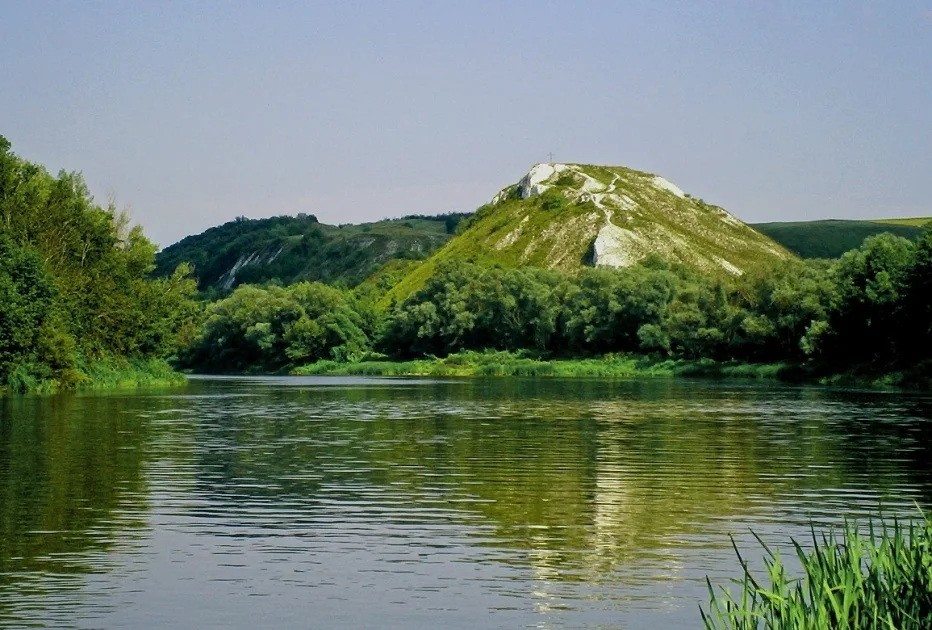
288	249
833	237
558	216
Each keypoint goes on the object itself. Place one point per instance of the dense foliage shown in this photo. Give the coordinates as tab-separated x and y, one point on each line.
870	309
289	249
74	286
648	308
266	328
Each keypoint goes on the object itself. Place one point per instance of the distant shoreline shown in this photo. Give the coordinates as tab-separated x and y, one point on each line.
476	364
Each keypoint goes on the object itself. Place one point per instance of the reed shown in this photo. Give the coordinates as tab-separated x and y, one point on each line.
101	374
880	577
505	363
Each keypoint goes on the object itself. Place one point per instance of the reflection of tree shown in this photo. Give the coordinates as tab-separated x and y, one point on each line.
585	476
570	481
896	428
68	465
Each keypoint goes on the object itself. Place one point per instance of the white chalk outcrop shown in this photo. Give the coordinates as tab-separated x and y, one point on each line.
616	247
533	184
228	279
665	184
624	215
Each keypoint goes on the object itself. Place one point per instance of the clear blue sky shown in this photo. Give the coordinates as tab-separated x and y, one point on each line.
192	113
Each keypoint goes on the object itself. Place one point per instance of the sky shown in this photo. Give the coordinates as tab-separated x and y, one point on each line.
189	114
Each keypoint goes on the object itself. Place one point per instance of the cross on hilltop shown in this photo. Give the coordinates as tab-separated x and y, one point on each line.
550	157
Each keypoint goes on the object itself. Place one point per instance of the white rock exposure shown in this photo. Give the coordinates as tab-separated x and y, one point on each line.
500	197
509	239
533	183
727	266
669	186
629	216
228	279
537	175
591	185
616	247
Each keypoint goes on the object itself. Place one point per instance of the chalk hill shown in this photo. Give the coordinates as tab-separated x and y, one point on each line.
565	216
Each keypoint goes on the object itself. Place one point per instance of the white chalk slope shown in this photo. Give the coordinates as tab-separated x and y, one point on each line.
614	216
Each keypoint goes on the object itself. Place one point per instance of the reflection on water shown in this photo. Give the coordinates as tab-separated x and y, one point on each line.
397	503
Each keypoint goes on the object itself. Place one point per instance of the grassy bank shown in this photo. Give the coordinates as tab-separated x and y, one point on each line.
878	578
105	374
491	363
517	364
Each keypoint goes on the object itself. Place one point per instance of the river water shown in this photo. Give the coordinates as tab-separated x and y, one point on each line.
406	503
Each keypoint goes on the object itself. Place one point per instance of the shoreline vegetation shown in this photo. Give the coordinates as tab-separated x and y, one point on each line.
79	308
863	320
111	374
505	364
878	576
83	306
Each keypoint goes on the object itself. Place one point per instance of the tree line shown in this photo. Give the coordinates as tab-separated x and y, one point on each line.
77	289
74	282
872	308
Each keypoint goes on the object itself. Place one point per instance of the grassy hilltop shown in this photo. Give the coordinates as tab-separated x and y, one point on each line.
565	217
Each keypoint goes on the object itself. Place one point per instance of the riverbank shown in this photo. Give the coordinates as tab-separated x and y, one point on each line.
514	364
98	375
502	363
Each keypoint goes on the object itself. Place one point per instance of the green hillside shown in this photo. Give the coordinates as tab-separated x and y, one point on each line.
289	249
568	216
832	238
914	221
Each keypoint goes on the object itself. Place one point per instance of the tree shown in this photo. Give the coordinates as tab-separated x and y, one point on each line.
27	295
75	278
871	284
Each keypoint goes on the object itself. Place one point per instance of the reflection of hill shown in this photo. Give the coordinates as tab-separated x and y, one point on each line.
68	466
550	493
585	476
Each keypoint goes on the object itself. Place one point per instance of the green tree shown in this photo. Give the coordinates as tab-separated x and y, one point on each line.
75	279
871	284
27	294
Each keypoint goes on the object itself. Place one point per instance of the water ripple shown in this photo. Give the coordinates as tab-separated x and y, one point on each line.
279	502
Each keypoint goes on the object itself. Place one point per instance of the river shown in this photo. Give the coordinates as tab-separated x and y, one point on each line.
404	503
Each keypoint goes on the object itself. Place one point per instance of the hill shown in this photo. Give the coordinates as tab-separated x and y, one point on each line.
832	238
914	221
289	249
567	216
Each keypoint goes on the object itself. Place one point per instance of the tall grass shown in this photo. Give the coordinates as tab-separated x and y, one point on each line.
881	578
504	363
106	373
129	373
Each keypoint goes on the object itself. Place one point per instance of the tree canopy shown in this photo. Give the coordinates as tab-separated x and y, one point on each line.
74	280
871	308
